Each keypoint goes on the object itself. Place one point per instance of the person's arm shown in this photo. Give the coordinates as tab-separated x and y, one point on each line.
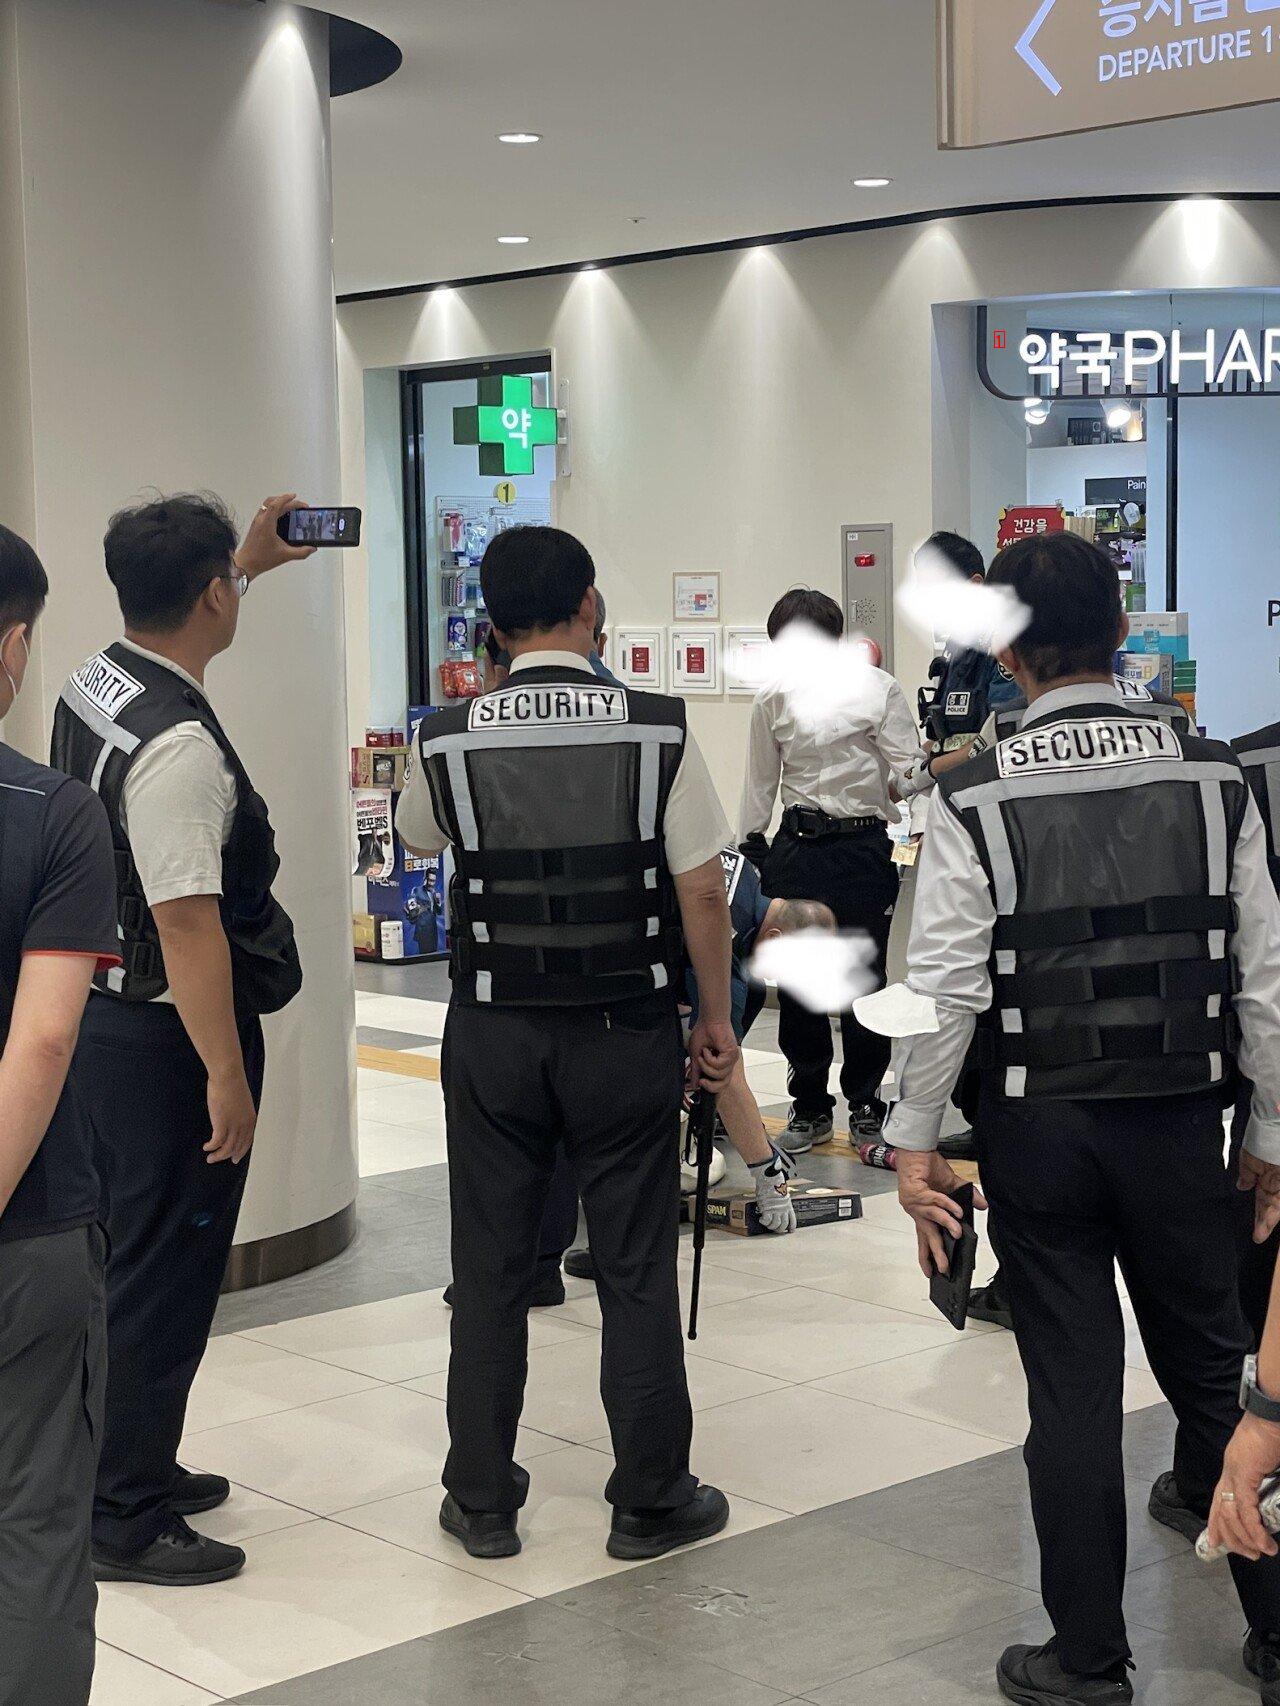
176	800
48	1007
416	822
708	935
948	960
1255	947
1253	1455
197	962
898	742
763	773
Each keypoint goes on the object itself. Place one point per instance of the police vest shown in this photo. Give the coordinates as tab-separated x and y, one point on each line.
969	686
109	709
1010	715
1108	841
553	791
1260	755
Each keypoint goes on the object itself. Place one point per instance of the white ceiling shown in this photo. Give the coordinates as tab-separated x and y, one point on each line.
707	120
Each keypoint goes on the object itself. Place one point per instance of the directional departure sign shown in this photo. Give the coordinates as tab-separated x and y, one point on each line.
1010	70
505	424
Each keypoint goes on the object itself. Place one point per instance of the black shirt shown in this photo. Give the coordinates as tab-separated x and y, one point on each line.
57	896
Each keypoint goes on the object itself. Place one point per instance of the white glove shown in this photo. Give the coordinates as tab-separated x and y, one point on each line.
773	1191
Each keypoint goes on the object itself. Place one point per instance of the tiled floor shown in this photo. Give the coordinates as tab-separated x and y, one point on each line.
880	1552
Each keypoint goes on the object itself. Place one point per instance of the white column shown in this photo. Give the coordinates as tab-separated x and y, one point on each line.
166	321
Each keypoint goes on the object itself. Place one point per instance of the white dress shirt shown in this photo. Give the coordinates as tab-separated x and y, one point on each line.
845	773
948	959
694	827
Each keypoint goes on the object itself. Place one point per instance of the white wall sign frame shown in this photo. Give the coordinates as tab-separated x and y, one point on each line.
695	598
639	654
744	651
695	660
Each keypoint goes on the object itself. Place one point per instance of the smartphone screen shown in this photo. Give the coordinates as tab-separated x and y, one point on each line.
334	526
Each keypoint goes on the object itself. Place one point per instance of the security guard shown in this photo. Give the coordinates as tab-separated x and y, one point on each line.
1259	754
1091	893
585	832
970	682
170	1062
57	926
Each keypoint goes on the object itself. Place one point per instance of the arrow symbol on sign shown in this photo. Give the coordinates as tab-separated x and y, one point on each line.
1028	54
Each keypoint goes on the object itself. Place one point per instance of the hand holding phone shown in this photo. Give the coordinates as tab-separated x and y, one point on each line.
949	1292
332	526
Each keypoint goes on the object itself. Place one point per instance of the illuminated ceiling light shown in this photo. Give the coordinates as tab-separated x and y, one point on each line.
519	138
513	242
1036	411
1119	415
588	266
871	183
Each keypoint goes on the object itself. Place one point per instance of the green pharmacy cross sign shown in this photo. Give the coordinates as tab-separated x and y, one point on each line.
505	424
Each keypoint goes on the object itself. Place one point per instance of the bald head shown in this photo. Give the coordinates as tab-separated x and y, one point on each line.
785	917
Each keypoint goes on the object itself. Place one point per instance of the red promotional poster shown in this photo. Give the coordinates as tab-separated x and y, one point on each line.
1029	521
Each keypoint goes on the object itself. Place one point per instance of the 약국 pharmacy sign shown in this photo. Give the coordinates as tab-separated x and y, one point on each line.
1009	70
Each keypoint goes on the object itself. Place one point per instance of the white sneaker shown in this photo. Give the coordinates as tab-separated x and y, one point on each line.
689	1173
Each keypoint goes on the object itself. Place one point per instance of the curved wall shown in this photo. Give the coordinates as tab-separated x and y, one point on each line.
731	411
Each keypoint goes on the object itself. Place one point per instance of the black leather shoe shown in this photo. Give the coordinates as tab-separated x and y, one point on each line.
546	1294
987	1303
1033	1676
485	1534
177	1558
580	1264
962	1147
1168	1506
194	1493
648	1534
1262	1659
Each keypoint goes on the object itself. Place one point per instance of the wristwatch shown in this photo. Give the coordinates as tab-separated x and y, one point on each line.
1253	1399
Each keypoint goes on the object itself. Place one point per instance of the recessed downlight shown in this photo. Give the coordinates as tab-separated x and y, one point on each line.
519	138
871	183
513	242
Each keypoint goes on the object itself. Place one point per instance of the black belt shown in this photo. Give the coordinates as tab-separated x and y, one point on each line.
809	822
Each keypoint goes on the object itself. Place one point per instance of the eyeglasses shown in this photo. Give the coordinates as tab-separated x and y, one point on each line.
239	582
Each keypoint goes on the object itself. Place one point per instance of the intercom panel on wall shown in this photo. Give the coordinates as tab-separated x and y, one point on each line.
867	555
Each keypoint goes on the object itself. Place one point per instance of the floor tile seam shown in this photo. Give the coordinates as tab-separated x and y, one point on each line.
930	1646
315	1403
413	1552
251	1333
163	1669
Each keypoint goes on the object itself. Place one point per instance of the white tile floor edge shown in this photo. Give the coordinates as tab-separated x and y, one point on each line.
332	1428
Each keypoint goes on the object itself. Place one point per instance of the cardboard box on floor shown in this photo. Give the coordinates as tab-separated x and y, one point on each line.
816	1205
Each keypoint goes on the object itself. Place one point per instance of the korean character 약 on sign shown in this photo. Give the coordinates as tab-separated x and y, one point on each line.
1044	356
1209	11
1098	356
1119	16
1171	9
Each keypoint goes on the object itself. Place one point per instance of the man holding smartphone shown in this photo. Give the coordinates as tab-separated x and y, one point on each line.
170	1063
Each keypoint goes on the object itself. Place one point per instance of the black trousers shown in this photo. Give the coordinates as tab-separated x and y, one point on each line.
1257	1261
52	1369
559	1227
855	876
1074	1187
518	1083
170	1218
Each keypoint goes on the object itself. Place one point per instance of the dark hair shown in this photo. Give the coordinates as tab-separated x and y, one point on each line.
534	578
162	555
802	604
960	552
24	586
1072	590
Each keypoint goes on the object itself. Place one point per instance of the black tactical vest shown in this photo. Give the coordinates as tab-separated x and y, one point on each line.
1108	841
962	700
109	709
554	793
1010	715
1260	755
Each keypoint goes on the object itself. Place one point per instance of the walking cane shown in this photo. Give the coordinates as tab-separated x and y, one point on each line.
702	1128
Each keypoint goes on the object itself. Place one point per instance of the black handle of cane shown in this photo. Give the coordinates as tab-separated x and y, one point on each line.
702	1124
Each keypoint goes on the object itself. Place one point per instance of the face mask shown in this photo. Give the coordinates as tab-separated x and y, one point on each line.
13	685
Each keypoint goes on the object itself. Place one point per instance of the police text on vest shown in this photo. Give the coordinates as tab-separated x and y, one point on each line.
1090	745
